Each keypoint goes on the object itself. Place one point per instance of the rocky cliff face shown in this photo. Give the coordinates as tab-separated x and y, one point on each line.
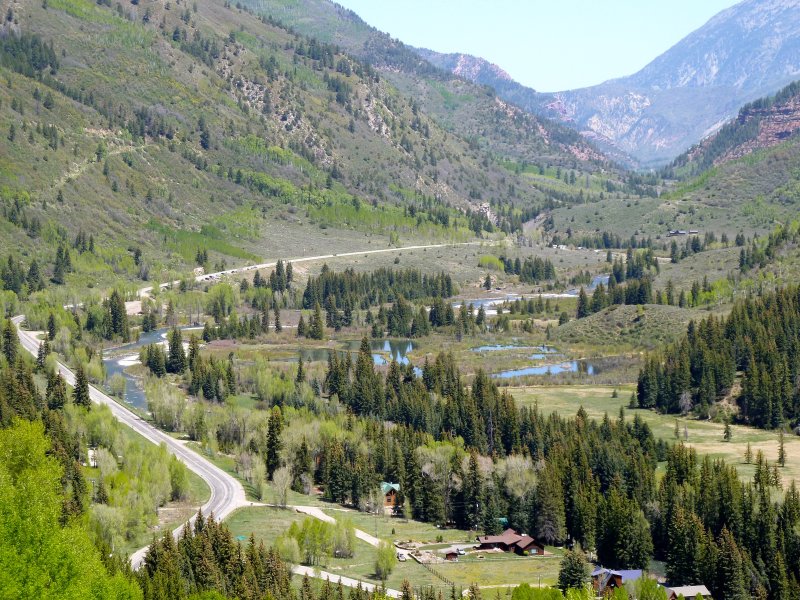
759	125
743	53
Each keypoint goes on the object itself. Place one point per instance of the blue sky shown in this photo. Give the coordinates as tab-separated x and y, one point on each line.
549	45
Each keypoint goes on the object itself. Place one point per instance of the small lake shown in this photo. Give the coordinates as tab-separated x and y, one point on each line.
383	351
596	280
541	351
119	358
570	366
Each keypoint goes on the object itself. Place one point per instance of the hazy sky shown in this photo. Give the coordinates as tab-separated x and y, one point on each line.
549	45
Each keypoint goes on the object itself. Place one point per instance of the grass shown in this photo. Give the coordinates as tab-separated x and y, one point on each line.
393	529
268	523
627	327
705	436
172	514
502	570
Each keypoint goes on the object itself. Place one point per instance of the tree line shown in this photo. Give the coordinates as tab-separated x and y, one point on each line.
757	343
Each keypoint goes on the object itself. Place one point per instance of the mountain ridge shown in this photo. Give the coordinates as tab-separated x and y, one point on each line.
743	53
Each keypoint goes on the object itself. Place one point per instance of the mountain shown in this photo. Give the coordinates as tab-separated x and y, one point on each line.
472	111
743	53
761	124
171	131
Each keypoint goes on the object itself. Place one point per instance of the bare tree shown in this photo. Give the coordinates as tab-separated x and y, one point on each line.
282	480
685	402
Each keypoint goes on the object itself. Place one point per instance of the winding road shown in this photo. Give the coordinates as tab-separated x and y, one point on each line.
227	493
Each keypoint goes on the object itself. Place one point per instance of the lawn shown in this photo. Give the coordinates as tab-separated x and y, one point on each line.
394	529
267	523
502	570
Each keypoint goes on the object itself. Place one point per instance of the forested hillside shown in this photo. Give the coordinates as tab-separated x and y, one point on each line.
185	126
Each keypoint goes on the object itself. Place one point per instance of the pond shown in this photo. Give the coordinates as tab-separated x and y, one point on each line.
542	352
383	351
596	280
118	359
570	366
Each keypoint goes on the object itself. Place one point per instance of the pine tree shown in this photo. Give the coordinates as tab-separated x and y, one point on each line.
51	327
316	329
80	393
730	574
176	356
583	305
301	374
748	454
118	317
473	492
574	571
274	443
549	518
278	326
56	394
781	450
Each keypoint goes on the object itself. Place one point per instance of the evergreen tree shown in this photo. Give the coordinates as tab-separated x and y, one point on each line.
549	515
80	393
274	443
9	341
730	575
574	571
301	374
51	327
316	329
176	356
583	305
56	394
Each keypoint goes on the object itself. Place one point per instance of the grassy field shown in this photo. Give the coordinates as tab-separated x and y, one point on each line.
705	436
628	327
267	523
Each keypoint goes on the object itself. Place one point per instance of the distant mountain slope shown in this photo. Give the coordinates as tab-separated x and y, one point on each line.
760	124
471	111
745	52
164	130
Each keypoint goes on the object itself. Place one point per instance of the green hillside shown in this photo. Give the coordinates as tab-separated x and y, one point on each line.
173	128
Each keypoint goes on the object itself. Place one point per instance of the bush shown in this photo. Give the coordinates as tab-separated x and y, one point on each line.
490	261
385	560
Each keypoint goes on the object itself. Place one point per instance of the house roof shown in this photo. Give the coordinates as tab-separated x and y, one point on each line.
690	591
626	575
526	541
387	487
508	537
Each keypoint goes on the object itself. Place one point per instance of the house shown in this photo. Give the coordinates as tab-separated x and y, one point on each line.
511	541
390	492
450	554
603	579
689	592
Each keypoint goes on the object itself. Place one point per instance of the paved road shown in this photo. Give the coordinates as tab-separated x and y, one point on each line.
227	494
219	274
346	581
